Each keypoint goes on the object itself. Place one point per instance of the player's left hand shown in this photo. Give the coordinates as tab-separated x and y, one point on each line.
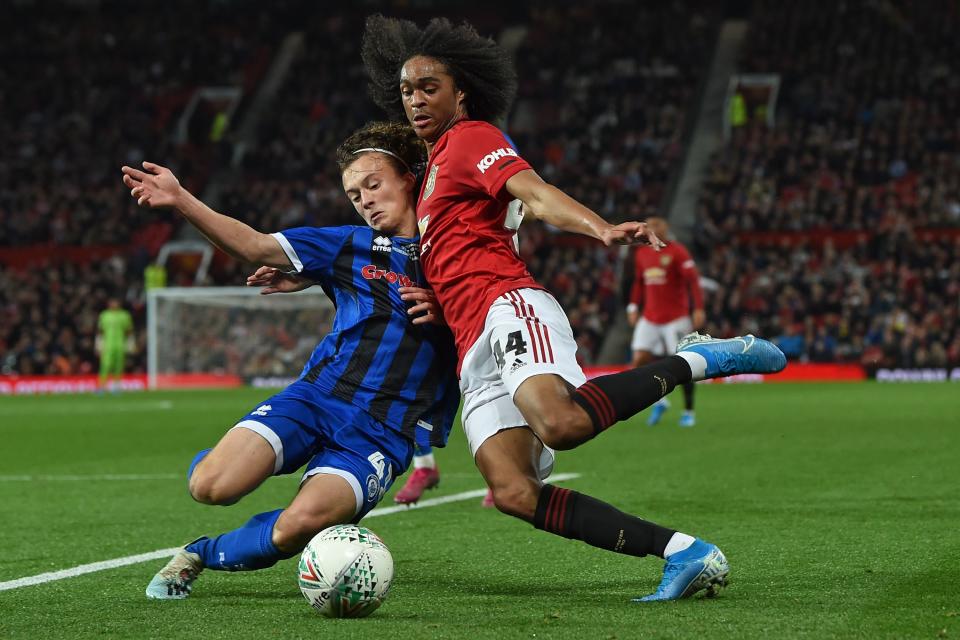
631	233
273	280
427	309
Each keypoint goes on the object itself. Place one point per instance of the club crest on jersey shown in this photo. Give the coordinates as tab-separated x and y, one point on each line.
493	156
381	243
431	182
422	224
665	260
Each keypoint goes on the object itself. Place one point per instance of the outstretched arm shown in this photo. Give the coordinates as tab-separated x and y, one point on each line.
156	187
545	202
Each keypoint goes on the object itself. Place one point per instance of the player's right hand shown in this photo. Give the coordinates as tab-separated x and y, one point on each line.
274	280
155	187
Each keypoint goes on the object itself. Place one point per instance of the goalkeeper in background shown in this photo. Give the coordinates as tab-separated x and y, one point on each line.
114	328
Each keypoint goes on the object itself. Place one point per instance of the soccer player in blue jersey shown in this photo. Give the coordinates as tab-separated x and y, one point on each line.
375	385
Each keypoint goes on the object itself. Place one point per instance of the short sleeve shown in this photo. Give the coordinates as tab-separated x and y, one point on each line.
312	250
486	159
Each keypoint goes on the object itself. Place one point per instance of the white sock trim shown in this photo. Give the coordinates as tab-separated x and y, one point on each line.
678	542
698	364
425	461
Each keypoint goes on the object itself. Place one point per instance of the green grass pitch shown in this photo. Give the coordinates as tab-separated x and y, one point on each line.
837	505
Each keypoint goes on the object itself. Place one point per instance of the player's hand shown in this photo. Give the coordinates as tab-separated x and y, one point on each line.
698	318
276	281
631	233
633	317
155	187
426	304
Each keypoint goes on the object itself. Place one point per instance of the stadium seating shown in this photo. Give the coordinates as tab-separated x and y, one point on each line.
602	112
98	86
865	141
886	301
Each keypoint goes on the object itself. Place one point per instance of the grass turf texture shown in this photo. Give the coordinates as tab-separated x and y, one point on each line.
834	503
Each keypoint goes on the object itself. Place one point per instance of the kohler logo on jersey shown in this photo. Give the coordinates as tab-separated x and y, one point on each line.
493	156
381	243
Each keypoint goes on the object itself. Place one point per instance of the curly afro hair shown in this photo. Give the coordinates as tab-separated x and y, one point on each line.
479	66
394	137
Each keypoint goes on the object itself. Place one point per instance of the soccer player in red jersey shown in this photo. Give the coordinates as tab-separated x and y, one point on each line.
524	393
664	284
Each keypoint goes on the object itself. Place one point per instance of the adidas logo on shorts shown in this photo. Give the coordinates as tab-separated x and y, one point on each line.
517	365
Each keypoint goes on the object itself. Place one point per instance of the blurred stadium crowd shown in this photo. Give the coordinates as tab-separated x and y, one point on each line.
864	141
867	139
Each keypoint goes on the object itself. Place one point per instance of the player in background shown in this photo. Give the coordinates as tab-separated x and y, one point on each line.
426	475
524	393
665	282
377	383
115	329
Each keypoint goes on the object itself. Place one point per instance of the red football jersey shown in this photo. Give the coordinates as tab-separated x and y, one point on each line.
664	282
467	255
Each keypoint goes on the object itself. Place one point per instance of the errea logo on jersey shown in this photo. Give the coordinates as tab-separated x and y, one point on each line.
383	244
493	156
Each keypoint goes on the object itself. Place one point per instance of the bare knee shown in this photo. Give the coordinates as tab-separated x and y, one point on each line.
296	527
211	487
518	499
563	428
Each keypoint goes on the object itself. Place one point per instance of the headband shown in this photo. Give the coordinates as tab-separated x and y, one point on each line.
389	153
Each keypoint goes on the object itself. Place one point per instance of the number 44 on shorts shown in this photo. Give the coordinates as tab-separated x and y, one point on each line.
515	343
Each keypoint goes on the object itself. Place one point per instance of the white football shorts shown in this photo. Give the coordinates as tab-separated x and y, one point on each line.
526	333
660	339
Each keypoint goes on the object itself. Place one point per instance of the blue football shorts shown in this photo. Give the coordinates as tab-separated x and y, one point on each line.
306	425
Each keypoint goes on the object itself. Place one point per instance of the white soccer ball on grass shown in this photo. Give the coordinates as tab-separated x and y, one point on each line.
345	571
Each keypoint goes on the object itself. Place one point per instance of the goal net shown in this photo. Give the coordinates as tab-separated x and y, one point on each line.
233	332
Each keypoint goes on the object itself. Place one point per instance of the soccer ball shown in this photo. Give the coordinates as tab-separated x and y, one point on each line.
345	571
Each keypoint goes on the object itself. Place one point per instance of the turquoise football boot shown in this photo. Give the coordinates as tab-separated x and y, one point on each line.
731	356
701	566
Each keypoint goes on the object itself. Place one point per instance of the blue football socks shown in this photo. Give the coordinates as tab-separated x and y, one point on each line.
245	549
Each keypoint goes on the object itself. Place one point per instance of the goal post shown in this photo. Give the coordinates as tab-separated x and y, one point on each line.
232	331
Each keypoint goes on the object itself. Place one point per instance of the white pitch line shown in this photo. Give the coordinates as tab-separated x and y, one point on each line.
104	407
91	477
93	567
73	572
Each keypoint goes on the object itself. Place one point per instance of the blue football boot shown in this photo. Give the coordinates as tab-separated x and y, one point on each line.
730	356
657	410
700	566
688	419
